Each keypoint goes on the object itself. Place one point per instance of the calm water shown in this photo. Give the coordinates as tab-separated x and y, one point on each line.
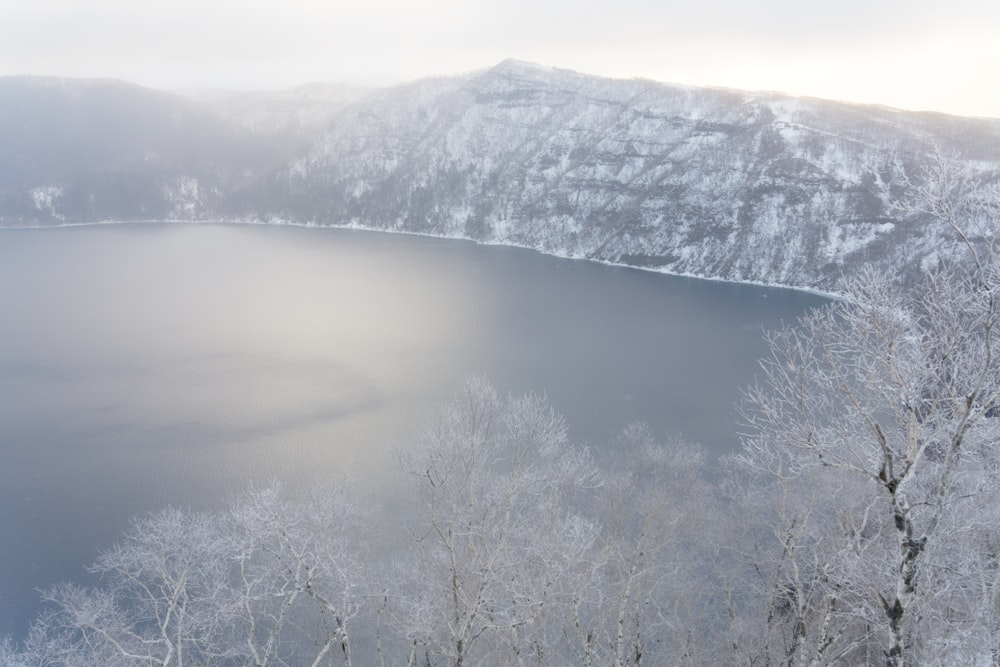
145	365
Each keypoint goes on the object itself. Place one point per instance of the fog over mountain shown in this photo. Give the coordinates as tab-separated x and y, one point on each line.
709	182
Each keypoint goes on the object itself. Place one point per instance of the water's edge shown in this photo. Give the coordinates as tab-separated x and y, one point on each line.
835	296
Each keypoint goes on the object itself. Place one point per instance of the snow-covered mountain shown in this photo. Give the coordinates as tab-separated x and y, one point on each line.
743	186
294	112
85	150
710	182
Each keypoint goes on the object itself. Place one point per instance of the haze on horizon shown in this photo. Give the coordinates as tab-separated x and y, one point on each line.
914	54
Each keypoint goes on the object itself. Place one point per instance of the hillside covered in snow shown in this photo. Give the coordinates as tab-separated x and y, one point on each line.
710	182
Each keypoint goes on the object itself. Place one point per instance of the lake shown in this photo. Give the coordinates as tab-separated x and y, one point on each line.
155	364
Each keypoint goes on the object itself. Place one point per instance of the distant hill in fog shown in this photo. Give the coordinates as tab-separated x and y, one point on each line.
710	182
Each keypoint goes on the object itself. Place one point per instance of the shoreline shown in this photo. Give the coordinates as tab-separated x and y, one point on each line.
364	228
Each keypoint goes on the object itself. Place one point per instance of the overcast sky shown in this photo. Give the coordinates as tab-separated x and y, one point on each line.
917	54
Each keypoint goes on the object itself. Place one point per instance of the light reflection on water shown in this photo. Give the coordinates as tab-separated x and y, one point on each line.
144	365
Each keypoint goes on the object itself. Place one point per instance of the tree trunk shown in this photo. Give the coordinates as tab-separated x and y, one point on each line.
909	551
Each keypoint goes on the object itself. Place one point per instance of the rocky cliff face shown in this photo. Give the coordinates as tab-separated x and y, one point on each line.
715	183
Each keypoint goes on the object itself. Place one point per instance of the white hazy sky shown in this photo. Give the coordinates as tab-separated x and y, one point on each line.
939	55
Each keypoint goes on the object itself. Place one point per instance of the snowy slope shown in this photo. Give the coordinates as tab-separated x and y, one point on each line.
716	183
709	182
300	110
83	150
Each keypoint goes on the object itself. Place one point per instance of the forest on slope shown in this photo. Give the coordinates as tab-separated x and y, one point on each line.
708	182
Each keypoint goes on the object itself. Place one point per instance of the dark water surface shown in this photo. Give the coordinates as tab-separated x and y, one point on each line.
146	365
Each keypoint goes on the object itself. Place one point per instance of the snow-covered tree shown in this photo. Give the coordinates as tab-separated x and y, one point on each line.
887	402
299	580
650	599
271	581
497	483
